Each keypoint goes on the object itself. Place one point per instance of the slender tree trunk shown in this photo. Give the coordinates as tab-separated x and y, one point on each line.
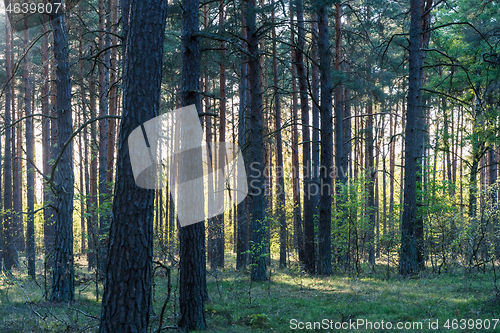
280	181
392	165
83	154
242	243
297	220
30	156
309	244
9	251
315	122
92	216
104	62
127	295
341	165
325	183
222	136
370	182
46	147
113	93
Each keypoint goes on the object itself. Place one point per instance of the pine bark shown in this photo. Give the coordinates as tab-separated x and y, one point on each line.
126	304
412	223
30	156
9	251
325	181
242	245
63	274
257	184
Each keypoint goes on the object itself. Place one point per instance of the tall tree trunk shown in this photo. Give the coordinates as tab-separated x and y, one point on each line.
9	250
256	150
309	244
280	180
127	295
192	271
113	93
315	119
48	235
392	165
341	171
17	164
103	66
370	182
222	136
297	219
412	222
92	216
242	245
83	153
30	156
325	200
63	273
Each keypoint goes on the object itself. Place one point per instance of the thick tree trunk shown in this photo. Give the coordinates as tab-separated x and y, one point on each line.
63	273
325	181
192	267
412	222
257	183
127	295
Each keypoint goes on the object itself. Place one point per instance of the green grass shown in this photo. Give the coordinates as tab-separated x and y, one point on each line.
237	305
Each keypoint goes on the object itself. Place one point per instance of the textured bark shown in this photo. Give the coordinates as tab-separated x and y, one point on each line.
30	156
113	93
126	302
309	209
63	274
370	183
9	251
392	165
92	206
83	153
412	224
104	60
280	180
242	245
222	137
315	162
192	266
256	182
298	235
325	181
46	146
17	166
341	166
54	151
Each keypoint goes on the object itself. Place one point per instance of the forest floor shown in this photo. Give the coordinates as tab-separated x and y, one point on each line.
290	300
